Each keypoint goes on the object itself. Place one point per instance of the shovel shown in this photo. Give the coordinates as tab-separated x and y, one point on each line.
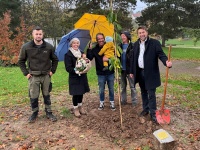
163	115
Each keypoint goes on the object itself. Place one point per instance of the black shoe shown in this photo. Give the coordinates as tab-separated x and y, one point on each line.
33	117
144	113
51	116
154	120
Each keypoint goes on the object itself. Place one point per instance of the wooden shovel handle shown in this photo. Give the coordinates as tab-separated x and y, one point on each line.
166	80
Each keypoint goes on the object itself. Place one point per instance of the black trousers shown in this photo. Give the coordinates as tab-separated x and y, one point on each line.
148	96
77	99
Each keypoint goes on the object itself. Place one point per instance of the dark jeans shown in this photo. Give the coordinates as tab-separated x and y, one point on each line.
148	96
102	80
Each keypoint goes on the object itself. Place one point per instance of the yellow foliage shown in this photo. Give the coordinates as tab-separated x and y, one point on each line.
134	35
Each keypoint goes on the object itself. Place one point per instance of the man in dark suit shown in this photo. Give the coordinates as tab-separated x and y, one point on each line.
145	69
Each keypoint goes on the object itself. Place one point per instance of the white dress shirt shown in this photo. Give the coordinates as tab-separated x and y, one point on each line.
141	55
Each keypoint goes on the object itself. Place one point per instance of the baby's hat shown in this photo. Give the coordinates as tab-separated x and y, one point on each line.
109	39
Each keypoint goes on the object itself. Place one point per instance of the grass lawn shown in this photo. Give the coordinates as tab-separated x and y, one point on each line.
183	43
184	53
14	86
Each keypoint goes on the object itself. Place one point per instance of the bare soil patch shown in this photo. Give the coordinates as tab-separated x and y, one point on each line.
98	130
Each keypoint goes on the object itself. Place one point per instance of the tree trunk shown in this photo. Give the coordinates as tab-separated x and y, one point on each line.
163	41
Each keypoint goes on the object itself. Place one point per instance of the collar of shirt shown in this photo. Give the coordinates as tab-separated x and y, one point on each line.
141	55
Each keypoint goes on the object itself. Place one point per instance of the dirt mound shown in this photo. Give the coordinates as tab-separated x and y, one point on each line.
108	123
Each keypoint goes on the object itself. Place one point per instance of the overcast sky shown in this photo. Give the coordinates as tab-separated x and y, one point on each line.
140	6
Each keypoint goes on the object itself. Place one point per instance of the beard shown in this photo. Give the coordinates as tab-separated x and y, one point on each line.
143	38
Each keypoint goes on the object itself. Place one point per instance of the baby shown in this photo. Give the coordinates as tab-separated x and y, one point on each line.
108	50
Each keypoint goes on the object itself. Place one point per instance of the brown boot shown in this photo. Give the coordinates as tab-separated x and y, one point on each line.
76	112
81	110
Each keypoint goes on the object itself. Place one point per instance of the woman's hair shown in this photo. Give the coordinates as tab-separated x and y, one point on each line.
74	39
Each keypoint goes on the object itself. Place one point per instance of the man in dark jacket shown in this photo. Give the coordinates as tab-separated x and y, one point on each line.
127	48
104	77
41	65
145	69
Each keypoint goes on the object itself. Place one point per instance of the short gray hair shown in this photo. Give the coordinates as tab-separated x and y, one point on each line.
74	39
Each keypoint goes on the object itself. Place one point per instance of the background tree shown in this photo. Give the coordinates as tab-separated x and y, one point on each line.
10	47
120	7
134	35
193	33
57	17
168	17
49	14
14	6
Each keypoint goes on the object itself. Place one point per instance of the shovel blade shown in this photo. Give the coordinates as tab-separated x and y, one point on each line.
163	116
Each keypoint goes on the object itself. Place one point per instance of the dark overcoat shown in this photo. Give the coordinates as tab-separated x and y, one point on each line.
78	85
153	52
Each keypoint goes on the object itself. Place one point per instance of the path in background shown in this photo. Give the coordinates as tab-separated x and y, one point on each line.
183	67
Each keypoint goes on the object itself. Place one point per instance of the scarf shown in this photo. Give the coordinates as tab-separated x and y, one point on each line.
76	53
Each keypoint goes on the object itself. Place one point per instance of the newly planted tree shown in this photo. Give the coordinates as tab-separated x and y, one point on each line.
115	61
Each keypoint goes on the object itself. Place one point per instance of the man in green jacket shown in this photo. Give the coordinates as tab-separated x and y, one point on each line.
41	65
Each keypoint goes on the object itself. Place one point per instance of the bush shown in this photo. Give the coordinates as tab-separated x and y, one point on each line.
10	44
